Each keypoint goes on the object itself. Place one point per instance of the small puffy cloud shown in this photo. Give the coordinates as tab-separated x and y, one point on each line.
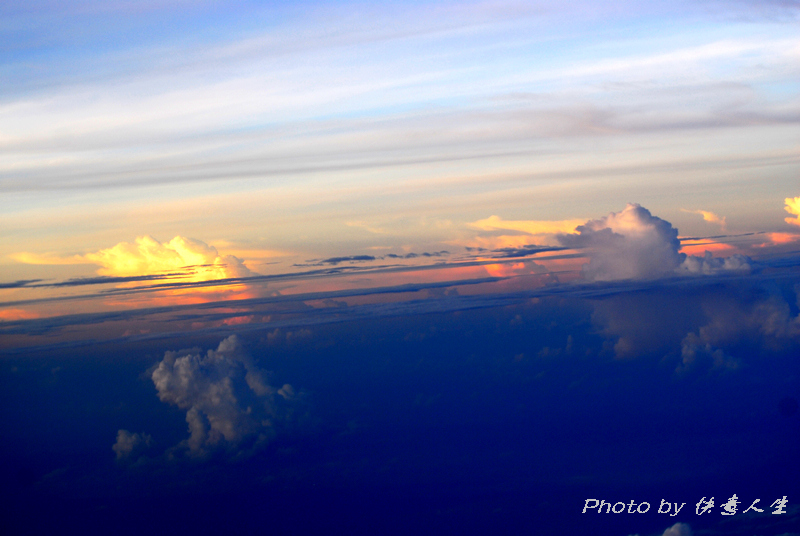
678	529
793	207
130	446
709	217
229	403
632	244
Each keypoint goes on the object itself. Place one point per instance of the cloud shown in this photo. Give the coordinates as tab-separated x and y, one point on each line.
709	217
229	404
647	323
780	238
767	323
699	326
333	261
793	207
149	256
634	244
678	529
16	314
19	283
36	258
531	227
710	265
499	233
130	446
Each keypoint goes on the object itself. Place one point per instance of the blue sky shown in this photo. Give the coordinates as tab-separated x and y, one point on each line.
308	117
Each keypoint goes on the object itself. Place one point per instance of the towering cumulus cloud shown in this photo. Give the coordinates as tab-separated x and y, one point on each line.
229	404
634	244
147	256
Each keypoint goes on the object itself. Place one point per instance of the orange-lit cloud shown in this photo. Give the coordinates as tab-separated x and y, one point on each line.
708	216
149	256
783	238
777	239
514	269
699	247
17	314
793	207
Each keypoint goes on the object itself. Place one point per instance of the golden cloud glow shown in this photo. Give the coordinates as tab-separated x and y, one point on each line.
198	260
793	207
147	256
708	216
521	232
531	227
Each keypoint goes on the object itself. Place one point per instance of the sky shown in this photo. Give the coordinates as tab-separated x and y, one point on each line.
416	267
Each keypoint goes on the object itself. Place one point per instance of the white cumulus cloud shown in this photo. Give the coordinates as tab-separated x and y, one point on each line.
634	244
229	403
